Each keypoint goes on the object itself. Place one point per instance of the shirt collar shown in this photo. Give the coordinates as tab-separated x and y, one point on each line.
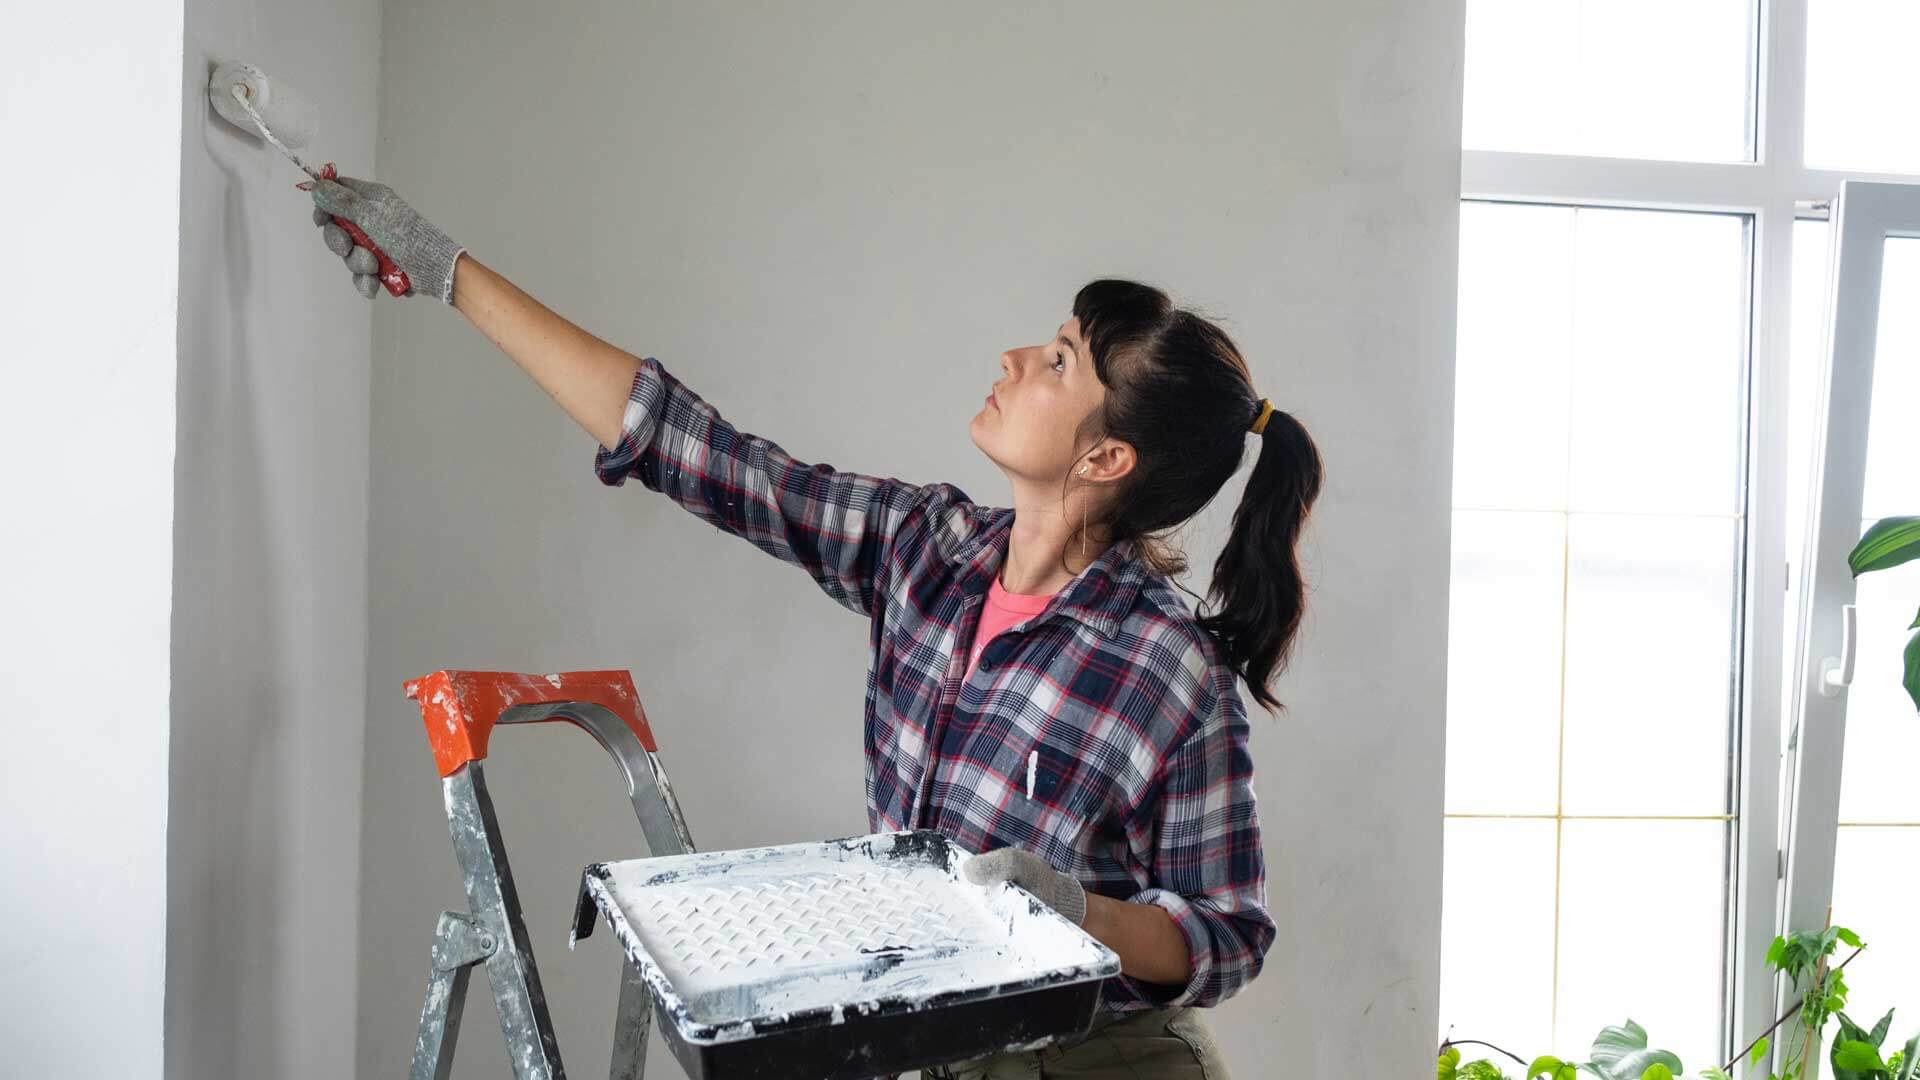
1099	596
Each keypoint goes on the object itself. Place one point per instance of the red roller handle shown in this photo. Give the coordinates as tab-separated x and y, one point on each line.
394	278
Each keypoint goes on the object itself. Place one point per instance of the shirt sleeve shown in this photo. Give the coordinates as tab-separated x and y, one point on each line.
1207	866
835	525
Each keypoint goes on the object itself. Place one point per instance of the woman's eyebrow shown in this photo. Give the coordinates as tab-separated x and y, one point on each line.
1063	340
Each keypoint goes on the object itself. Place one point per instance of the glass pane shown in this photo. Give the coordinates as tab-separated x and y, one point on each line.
1874	883
1893	425
1619	78
1806	362
1650	623
1882	753
1496	936
1515	349
1503	666
1883	733
1861	83
1877	864
1659	353
1634	893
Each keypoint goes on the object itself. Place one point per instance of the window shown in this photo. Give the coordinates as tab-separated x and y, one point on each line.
1861	84
1619	78
1641	366
1878	831
1600	389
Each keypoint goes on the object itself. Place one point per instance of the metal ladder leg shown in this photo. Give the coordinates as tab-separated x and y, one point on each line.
495	924
458	944
460	709
630	1027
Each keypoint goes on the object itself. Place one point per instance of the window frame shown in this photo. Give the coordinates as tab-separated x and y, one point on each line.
1773	190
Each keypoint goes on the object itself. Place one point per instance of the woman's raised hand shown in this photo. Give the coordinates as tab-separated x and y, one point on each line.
415	245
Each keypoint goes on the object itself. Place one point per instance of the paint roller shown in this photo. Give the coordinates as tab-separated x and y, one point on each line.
245	97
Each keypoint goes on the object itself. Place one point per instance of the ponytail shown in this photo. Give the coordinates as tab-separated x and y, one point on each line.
1179	392
1257	577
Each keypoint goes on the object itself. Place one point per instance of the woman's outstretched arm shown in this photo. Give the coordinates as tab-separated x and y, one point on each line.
834	524
586	376
837	525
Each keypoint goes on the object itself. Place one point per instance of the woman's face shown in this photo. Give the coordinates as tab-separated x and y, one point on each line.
1028	423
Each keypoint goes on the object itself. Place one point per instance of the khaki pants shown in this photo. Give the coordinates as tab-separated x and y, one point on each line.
1152	1044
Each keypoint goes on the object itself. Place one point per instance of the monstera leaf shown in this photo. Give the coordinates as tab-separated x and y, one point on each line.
1621	1053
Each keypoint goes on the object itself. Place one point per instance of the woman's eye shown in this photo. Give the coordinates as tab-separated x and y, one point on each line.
1059	363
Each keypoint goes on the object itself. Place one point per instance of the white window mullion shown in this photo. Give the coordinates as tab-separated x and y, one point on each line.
1780	138
1756	908
1591	181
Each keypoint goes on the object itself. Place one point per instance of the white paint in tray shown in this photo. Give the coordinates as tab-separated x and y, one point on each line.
730	942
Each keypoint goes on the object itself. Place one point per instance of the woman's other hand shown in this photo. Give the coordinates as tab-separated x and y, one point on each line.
1031	872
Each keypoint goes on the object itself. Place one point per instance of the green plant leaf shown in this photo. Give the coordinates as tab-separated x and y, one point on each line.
1481	1070
1776	951
1915	624
1759	1051
1890	542
1878	1037
1713	1072
1854	1054
1622	1053
1911	678
1847	936
1657	1071
1847	1063
1545	1065
1448	1063
1848	1029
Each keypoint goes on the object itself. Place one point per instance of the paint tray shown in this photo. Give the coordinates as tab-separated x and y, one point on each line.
848	958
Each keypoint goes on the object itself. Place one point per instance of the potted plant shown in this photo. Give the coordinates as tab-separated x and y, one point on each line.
1622	1052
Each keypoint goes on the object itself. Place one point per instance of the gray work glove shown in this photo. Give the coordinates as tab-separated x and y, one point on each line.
411	241
1031	872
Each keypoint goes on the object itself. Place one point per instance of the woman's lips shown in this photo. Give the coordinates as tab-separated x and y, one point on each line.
991	401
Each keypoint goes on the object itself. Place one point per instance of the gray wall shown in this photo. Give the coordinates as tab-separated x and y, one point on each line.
270	575
86	454
830	219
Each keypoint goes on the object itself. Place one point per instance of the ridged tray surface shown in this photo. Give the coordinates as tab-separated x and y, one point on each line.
706	934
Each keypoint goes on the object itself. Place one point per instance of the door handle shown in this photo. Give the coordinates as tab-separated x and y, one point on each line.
1836	672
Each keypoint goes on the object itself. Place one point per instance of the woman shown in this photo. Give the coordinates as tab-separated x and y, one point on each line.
1039	691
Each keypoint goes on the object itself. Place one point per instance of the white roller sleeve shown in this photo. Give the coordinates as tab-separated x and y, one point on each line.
284	110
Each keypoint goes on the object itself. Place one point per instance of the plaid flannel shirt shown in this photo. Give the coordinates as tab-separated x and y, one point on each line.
1142	788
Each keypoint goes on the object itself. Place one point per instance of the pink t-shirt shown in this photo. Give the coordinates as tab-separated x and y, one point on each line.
1002	610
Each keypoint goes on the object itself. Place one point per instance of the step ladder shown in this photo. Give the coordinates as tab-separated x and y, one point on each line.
460	709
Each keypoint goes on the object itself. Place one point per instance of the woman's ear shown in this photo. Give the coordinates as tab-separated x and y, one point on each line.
1107	463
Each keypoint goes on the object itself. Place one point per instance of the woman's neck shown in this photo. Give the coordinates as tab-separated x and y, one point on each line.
1045	550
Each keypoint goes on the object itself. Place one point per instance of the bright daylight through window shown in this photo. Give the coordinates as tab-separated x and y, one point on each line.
1641	389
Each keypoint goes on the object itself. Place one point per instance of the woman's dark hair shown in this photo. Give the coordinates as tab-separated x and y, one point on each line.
1179	393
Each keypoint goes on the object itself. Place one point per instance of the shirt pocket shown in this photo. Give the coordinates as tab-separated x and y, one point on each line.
1067	803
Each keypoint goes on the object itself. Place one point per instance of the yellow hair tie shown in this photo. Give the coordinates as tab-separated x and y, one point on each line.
1260	422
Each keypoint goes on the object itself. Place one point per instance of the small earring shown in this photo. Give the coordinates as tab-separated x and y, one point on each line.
1083	470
